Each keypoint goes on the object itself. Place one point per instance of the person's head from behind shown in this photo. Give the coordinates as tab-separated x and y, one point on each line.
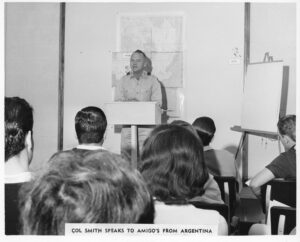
180	122
184	124
287	131
90	125
18	128
172	164
205	128
97	189
138	62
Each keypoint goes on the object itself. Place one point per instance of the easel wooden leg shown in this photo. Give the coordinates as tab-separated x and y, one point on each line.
244	153
245	165
134	146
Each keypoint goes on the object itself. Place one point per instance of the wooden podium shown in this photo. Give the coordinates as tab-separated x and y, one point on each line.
134	114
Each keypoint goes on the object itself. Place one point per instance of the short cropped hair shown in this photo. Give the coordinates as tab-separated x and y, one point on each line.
140	52
287	126
205	128
172	164
100	188
90	125
18	122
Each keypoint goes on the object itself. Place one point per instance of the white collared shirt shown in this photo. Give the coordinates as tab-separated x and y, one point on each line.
146	89
206	148
90	147
18	178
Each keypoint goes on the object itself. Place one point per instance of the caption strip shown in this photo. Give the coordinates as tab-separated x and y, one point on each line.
139	229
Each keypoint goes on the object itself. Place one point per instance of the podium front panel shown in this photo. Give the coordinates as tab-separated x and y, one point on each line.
133	113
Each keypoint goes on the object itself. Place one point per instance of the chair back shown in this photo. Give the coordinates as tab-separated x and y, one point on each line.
283	220
228	188
281	190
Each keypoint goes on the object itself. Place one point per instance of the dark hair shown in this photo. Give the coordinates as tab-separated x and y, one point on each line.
205	128
90	125
148	66
287	126
180	123
172	164
100	188
18	122
184	124
140	52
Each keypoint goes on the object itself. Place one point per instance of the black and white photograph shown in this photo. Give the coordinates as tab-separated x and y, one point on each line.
130	121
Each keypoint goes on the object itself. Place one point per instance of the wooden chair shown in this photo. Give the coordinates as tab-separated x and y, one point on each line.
228	185
283	220
281	190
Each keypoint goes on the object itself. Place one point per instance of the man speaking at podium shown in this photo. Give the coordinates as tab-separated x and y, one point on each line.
138	85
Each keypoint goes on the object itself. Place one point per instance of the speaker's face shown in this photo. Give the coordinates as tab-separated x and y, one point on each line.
137	62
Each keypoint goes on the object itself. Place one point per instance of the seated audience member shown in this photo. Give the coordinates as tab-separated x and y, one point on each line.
90	126
182	123
99	188
172	164
18	155
218	162
212	192
283	166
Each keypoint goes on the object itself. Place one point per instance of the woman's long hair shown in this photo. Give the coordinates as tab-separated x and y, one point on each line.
172	164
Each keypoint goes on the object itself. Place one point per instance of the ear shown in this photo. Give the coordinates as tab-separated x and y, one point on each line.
28	140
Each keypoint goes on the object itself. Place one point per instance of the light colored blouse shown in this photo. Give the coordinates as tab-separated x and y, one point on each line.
188	214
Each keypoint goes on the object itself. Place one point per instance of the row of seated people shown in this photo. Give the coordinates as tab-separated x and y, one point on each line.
279	177
89	184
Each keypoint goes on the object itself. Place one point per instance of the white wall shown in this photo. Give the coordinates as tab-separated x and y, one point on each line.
272	29
31	68
212	86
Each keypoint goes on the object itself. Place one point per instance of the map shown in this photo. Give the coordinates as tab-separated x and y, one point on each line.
160	36
160	33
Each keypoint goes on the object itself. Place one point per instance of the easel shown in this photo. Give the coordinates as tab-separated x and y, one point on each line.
244	141
242	147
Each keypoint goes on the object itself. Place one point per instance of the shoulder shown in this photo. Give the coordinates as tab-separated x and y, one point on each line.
289	155
122	80
58	156
224	155
184	214
211	183
152	78
212	192
126	77
285	161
